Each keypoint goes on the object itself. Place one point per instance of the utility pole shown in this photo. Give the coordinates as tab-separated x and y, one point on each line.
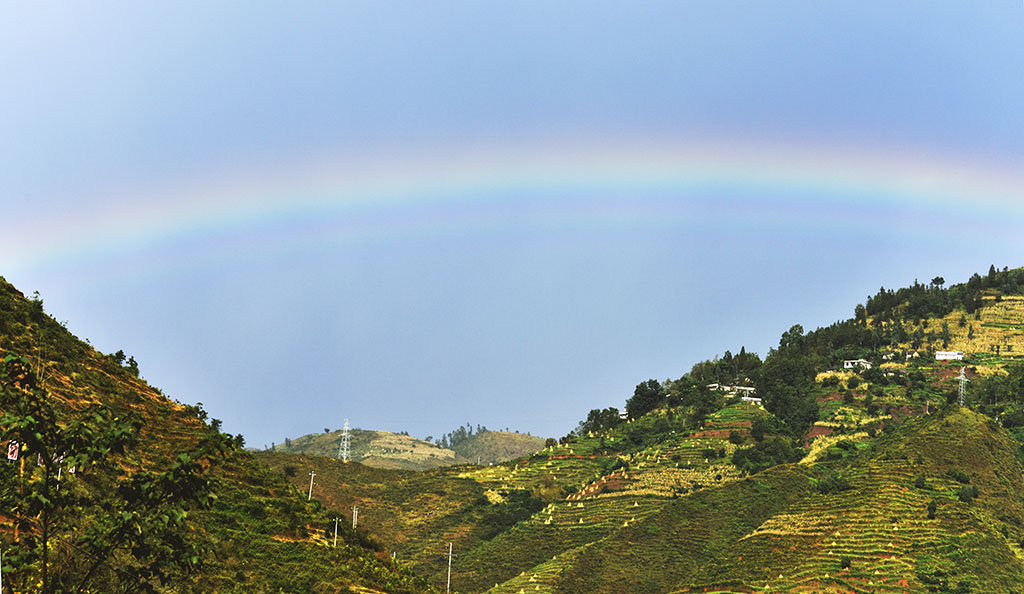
336	531
448	588
355	516
312	473
343	449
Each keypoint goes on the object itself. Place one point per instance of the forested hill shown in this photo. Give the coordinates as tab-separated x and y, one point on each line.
117	488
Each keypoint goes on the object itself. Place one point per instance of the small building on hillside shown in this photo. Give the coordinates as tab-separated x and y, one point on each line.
752	400
745	390
949	355
623	415
856	363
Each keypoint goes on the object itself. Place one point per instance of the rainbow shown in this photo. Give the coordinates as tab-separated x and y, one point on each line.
545	186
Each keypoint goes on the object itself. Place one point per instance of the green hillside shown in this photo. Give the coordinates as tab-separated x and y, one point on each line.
494	447
862	479
161	500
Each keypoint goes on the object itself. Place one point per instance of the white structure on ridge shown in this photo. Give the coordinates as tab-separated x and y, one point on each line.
343	449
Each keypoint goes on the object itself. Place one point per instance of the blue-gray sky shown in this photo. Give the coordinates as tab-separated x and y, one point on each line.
420	215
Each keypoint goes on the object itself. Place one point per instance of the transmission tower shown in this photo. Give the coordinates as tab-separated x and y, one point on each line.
963	385
343	449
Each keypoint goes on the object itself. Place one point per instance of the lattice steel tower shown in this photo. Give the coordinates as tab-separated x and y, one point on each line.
343	449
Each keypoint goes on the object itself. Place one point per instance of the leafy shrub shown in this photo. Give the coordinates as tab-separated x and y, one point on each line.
932	505
833	484
920	482
959	476
967	493
765	454
844	562
735	437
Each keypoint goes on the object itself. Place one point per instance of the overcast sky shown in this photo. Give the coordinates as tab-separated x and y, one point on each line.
417	215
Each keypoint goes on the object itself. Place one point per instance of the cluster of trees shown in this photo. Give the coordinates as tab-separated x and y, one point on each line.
84	517
921	301
454	438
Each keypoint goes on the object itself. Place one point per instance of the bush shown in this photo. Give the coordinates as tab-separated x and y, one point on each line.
920	482
735	437
844	562
765	454
967	493
932	505
833	484
853	382
959	476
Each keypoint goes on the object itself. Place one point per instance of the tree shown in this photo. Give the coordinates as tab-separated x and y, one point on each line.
85	519
646	397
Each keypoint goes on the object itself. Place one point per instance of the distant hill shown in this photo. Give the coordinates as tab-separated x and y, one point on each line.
382	449
378	449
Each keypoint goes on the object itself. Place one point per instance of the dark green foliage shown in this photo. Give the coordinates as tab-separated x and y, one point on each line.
932	506
833	483
735	437
844	562
967	493
598	421
646	397
920	482
765	454
959	476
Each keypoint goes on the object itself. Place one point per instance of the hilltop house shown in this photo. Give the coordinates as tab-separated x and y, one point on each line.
949	355
753	400
855	363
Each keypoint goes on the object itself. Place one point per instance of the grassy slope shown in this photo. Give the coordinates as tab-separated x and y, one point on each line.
379	449
495	447
263	534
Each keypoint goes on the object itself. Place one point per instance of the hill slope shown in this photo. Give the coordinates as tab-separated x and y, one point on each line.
695	495
381	449
251	530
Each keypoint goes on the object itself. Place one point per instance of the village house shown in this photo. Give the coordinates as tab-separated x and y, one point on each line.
949	355
855	363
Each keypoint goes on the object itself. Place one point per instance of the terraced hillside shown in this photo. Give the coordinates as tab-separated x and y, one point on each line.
252	531
534	514
874	535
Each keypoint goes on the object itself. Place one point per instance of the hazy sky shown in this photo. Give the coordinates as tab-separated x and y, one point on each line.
417	215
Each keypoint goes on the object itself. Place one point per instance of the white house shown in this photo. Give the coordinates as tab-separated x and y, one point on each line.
855	363
753	400
949	355
745	390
